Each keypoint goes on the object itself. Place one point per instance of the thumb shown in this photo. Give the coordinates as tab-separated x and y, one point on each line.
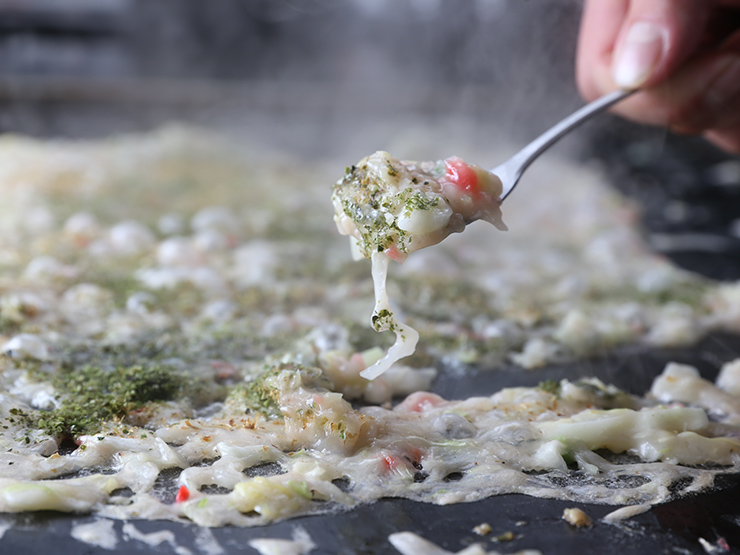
656	37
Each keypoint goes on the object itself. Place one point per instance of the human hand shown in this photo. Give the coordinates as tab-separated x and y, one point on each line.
684	55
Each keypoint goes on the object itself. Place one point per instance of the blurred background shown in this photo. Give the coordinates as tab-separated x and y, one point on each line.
341	78
91	67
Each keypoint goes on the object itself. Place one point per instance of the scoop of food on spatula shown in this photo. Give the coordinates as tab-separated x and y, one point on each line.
390	208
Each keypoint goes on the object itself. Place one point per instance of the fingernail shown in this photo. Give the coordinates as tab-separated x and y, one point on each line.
638	54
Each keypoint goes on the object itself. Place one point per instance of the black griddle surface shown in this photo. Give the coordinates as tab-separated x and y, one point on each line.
674	527
535	523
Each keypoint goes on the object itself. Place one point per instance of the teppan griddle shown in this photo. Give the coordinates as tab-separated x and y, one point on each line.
695	524
705	523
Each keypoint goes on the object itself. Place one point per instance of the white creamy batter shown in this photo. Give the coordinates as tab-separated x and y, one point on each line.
184	337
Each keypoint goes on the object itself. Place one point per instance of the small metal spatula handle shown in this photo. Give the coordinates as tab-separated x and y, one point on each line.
510	171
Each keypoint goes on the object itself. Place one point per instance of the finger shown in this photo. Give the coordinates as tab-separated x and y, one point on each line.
726	140
631	43
703	95
726	132
600	26
656	37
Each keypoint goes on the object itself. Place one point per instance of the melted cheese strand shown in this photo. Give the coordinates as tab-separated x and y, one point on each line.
384	319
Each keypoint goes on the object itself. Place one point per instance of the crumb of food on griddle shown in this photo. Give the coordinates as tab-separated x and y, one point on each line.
505	537
576	517
623	513
721	545
483	529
